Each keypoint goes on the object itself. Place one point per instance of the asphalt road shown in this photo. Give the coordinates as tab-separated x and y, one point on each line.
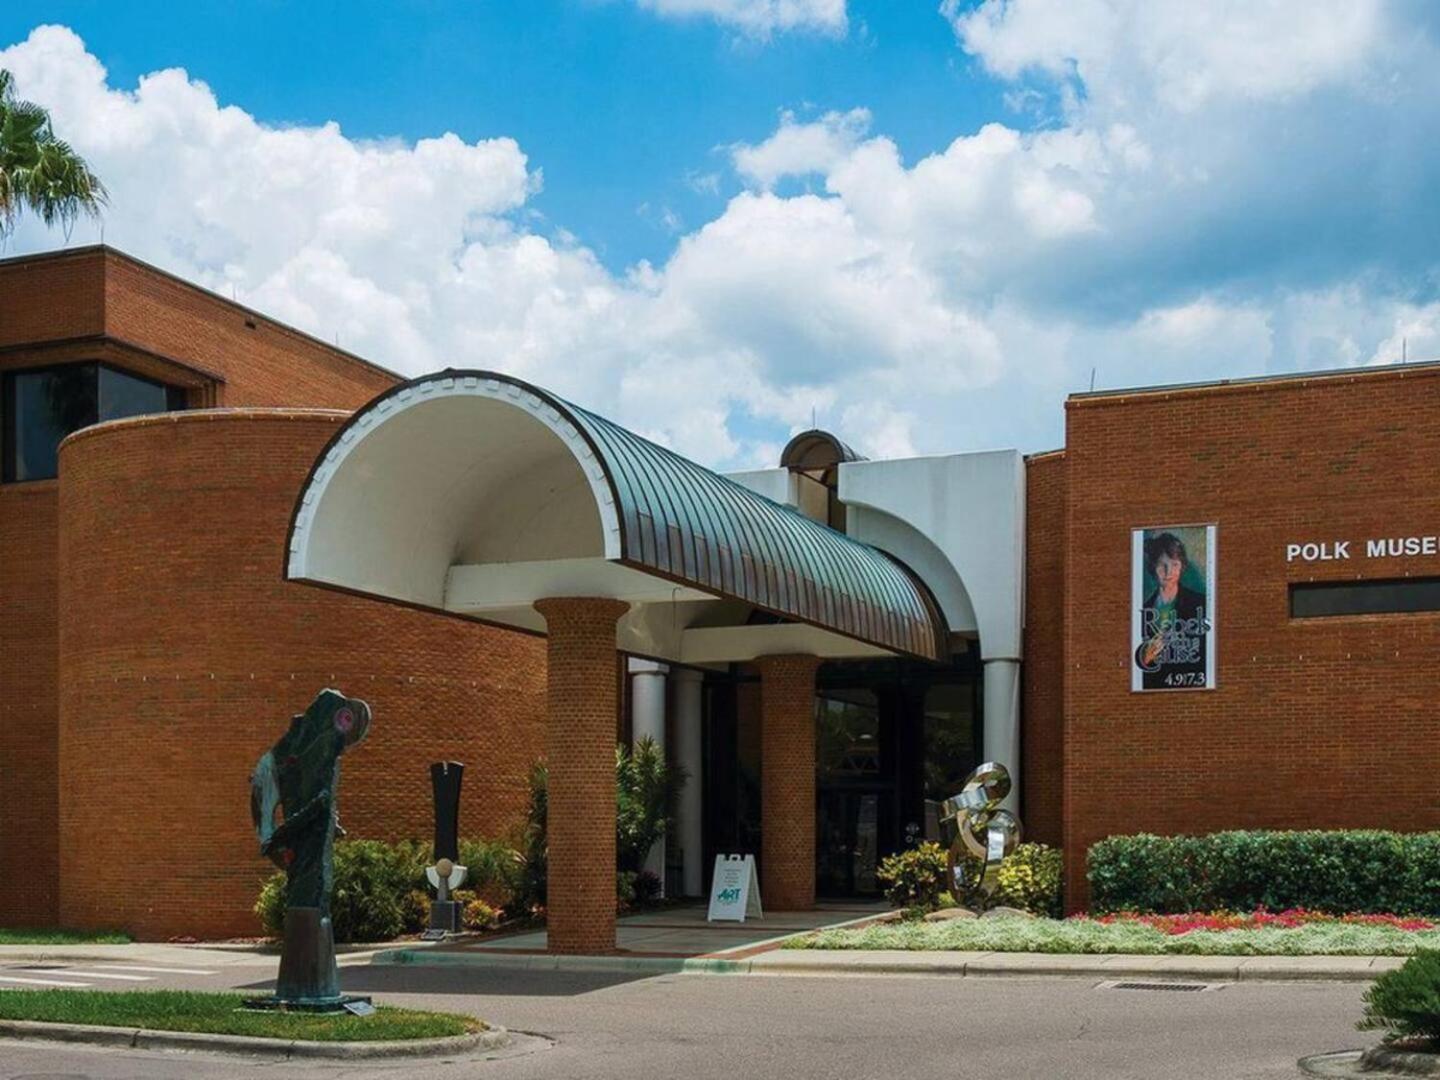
699	1027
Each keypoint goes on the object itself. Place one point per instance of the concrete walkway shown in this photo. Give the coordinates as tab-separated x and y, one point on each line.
668	934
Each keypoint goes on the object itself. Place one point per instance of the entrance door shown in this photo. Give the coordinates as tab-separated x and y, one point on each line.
890	738
856	790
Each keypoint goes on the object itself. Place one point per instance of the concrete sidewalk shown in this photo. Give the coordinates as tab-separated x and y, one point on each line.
849	963
1116	966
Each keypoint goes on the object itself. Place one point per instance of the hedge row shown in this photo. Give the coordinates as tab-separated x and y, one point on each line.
1354	871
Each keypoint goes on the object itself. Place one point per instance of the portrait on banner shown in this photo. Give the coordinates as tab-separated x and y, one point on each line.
1173	608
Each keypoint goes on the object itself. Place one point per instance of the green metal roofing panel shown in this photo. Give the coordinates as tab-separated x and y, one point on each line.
683	522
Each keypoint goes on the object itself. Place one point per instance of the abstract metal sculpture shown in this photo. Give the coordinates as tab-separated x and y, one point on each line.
972	825
446	876
296	779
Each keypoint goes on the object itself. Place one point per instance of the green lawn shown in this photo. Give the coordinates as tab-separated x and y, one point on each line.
1084	936
63	937
223	1014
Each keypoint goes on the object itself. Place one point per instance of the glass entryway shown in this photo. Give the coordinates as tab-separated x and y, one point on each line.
891	737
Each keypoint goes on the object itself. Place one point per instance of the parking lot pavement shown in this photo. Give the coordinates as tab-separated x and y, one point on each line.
627	1026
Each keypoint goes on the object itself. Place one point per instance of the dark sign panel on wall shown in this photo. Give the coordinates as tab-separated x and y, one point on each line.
1172	620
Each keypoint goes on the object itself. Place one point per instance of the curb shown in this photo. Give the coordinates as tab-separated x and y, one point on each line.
1103	966
252	1046
633	965
781	962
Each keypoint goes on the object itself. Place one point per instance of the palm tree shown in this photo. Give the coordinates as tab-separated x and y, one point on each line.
38	171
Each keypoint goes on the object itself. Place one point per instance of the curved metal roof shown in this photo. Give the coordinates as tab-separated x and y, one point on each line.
816	442
682	522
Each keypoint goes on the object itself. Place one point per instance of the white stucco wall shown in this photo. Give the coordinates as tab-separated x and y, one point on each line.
971	507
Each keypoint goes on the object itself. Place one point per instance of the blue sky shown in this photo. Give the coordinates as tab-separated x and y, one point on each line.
626	113
923	222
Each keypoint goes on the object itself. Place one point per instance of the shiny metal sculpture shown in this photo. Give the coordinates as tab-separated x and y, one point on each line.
292	804
972	826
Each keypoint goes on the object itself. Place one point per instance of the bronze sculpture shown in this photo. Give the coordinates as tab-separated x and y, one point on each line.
296	780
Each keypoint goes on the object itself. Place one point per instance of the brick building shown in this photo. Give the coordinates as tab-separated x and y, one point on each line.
149	650
1218	606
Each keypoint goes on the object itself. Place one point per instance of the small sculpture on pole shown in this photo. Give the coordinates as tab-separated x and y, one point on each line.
972	824
296	781
446	875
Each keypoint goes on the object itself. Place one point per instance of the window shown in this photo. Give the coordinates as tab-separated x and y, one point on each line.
1402	595
42	406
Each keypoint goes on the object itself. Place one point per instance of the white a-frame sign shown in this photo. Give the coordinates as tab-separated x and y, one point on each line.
735	893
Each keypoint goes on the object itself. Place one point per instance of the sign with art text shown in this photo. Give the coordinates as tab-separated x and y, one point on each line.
735	891
1350	549
1172	608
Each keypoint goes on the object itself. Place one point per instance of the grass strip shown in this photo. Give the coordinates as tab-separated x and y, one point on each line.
224	1014
1084	936
63	937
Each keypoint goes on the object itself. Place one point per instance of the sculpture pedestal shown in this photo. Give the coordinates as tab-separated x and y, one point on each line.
309	980
445	915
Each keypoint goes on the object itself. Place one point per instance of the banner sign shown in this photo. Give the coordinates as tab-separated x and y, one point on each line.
735	891
1172	608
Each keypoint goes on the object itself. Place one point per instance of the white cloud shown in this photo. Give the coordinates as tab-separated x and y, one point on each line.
1179	217
798	149
760	18
1181	53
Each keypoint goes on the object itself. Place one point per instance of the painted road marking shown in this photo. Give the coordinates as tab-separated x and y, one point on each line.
158	970
67	972
40	982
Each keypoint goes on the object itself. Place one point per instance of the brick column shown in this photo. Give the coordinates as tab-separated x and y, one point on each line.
580	753
787	782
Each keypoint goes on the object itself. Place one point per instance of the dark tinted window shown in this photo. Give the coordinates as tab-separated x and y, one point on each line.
122	395
42	406
1365	597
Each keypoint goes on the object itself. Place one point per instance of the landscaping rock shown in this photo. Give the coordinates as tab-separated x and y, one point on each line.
947	914
1418	1059
1003	912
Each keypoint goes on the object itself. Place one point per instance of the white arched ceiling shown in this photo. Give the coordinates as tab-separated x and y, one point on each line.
452	470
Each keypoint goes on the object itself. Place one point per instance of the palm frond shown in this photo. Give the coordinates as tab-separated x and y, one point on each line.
38	171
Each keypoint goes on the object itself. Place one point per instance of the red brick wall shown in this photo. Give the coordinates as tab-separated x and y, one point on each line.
1315	723
184	654
582	715
264	364
787	782
49	299
1043	672
80	296
28	793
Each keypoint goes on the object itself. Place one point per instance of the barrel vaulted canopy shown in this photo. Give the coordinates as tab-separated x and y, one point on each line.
475	494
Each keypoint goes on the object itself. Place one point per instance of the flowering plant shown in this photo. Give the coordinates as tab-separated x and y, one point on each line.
1261	919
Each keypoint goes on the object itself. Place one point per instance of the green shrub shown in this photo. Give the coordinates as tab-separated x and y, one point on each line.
1359	871
1406	1002
624	889
532	870
372	881
646	793
915	877
415	911
478	915
646	790
380	889
493	870
270	905
1031	878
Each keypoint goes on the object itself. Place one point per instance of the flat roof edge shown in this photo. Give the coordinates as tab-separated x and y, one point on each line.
1418	367
105	251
